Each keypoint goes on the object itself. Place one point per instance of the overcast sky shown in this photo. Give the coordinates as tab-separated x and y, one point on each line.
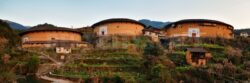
79	13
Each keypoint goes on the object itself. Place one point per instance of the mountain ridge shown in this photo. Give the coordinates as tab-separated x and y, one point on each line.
15	25
156	24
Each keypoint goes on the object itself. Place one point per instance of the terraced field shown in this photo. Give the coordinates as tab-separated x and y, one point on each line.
104	63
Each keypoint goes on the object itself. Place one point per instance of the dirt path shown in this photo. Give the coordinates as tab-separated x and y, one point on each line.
46	68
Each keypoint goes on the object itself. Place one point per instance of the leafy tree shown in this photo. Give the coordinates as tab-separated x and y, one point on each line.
153	49
234	54
32	64
117	79
140	42
159	74
9	34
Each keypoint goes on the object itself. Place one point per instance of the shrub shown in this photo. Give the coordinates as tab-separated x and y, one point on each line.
234	54
184	68
156	71
32	63
159	74
229	69
168	63
218	68
117	79
230	51
8	77
105	79
153	49
179	60
140	42
247	65
88	80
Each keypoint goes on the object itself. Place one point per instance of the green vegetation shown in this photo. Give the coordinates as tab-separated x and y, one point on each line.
150	63
206	45
140	42
152	50
184	68
8	77
19	62
9	34
32	63
133	60
116	65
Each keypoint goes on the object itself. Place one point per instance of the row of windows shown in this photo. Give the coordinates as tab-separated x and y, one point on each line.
119	27
180	26
200	24
25	39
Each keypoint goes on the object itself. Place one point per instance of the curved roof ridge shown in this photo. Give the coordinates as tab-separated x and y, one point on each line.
198	20
111	20
48	27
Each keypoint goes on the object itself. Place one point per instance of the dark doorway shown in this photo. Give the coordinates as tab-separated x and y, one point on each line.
197	55
193	34
103	32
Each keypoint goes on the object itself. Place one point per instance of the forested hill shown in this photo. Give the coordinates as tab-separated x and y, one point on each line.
8	35
156	24
15	25
238	31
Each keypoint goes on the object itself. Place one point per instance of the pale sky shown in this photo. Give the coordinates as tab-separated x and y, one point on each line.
79	13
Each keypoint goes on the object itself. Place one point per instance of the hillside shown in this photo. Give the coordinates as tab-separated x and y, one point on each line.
121	59
15	25
156	24
125	59
7	34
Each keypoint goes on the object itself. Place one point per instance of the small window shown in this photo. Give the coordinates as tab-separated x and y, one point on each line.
53	38
25	39
103	32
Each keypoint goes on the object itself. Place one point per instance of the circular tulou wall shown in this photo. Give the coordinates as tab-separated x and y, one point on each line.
212	30
120	28
48	35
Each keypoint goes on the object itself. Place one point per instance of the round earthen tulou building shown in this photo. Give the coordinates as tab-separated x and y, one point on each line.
199	28
118	26
48	35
